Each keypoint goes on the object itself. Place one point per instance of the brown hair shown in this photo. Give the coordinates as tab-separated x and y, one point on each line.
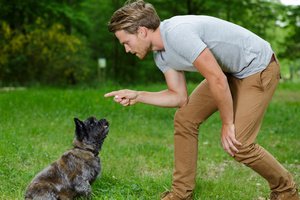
133	15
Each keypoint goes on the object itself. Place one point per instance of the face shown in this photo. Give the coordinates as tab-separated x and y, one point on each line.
92	130
96	128
136	44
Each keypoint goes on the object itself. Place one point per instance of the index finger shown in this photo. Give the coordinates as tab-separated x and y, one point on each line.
110	94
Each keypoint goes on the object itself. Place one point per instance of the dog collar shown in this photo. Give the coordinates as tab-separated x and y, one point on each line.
78	145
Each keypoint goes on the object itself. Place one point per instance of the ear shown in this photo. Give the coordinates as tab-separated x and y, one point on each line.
142	31
79	129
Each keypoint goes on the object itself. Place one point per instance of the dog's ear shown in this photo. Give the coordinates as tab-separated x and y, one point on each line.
80	129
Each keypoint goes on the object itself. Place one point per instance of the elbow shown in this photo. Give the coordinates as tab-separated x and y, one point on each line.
220	81
182	101
223	82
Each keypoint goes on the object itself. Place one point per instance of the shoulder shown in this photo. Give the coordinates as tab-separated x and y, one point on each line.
188	21
178	22
185	27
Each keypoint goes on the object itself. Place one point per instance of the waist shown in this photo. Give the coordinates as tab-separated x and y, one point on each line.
273	58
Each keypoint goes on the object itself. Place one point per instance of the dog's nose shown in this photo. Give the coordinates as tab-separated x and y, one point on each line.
104	122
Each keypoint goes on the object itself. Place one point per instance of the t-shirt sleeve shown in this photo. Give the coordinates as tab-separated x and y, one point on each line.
159	63
185	41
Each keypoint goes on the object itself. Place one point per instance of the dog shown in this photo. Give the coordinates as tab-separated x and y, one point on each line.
71	176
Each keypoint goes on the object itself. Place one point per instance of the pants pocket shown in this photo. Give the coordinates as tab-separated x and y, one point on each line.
269	76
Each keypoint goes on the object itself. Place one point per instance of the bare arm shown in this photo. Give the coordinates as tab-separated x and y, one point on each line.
174	96
217	81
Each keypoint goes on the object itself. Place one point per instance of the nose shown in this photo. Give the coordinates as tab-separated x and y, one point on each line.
104	122
127	48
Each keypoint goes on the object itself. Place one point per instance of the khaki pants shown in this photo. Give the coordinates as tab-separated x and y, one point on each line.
251	97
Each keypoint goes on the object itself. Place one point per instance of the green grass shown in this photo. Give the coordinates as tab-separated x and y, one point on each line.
36	127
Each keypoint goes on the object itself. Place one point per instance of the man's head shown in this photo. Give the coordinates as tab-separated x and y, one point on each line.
132	25
133	15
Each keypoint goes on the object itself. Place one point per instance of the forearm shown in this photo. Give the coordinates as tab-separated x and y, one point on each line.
224	102
165	98
222	95
175	96
210	69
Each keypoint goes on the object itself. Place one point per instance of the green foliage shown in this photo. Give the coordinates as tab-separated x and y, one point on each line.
18	13
36	127
46	55
83	25
47	46
292	25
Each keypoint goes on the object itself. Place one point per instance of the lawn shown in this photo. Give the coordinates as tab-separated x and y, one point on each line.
36	127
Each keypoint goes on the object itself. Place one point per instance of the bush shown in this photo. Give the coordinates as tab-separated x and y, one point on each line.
42	54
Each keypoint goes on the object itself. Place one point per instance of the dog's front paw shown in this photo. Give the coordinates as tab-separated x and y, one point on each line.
83	188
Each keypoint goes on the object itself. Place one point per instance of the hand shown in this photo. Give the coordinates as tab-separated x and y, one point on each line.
229	143
124	97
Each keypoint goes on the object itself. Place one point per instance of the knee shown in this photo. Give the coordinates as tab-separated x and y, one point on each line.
182	118
184	122
249	153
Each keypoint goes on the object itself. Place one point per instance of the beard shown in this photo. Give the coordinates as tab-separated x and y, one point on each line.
141	56
143	52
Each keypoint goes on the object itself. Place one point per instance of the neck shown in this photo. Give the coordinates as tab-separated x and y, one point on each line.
79	145
156	40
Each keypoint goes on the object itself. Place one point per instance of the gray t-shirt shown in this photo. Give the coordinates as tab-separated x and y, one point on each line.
237	50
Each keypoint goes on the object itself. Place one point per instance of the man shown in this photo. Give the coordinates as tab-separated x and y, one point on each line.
241	74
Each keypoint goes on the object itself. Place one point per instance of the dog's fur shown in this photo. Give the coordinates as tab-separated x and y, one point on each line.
71	175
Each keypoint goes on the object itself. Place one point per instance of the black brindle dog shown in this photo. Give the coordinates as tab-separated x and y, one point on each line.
71	175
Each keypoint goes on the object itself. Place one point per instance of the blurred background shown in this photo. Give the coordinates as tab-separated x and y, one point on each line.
66	42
